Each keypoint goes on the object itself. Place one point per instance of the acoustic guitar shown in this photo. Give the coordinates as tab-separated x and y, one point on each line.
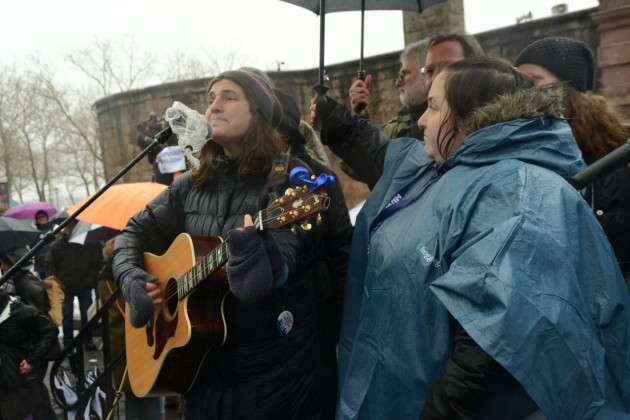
165	356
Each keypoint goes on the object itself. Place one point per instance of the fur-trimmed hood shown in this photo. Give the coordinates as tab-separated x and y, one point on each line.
526	126
536	102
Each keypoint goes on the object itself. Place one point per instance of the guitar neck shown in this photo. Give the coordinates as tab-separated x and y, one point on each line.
295	205
209	264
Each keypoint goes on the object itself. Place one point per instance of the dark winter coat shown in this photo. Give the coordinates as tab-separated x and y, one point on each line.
258	373
404	124
31	290
25	334
76	265
346	134
334	238
609	198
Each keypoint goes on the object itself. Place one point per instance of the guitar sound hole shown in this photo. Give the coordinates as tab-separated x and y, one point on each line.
171	297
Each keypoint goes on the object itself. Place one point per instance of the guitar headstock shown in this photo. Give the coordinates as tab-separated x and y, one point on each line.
297	204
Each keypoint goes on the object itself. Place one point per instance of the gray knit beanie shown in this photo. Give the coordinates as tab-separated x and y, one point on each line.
258	91
568	59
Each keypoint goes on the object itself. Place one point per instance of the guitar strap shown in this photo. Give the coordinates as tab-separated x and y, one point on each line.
278	174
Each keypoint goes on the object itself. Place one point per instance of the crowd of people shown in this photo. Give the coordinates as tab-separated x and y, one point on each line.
477	282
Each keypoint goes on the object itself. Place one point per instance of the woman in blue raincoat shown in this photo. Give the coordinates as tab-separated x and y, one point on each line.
480	283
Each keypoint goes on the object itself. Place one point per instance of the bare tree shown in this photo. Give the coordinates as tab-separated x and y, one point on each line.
111	69
181	64
49	135
26	134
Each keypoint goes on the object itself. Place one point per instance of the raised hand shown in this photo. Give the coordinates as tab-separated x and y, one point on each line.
360	94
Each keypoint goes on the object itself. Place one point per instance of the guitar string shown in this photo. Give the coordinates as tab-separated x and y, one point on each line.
187	283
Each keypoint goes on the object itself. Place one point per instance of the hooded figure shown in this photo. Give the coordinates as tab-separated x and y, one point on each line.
28	287
598	129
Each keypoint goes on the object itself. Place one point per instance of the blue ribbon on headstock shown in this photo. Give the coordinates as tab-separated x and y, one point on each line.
300	176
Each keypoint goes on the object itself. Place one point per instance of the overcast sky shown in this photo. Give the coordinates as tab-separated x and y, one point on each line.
263	32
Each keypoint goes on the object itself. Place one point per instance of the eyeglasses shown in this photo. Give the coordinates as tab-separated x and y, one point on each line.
404	75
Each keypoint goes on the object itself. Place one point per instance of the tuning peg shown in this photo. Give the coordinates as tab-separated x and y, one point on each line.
318	219
306	225
293	230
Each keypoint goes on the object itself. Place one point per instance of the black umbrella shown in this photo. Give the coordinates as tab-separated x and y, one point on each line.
16	234
321	7
59	217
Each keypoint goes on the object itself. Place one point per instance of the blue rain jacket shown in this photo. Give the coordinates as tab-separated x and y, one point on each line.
504	244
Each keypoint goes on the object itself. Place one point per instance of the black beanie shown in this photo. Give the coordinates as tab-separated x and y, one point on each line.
568	59
291	112
291	116
258	91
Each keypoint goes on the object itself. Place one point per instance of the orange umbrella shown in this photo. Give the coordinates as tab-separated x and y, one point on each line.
118	203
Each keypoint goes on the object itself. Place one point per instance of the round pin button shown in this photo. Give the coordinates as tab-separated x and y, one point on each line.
285	322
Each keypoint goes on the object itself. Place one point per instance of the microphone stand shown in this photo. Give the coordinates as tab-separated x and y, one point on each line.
159	138
619	156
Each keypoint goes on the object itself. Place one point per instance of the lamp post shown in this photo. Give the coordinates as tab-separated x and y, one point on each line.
56	191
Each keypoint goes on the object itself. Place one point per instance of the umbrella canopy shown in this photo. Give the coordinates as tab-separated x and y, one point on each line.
333	6
86	233
27	211
118	203
59	217
321	7
16	234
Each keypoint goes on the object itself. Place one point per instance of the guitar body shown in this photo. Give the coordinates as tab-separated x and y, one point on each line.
165	356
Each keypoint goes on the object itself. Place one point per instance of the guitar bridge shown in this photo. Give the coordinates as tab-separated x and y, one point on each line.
149	331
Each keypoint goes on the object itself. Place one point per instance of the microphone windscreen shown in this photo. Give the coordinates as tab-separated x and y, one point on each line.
192	128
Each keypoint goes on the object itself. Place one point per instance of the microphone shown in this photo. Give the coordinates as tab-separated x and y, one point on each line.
619	156
193	129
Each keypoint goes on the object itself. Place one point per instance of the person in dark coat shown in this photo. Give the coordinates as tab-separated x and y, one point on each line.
147	129
332	251
268	366
31	291
26	336
26	285
598	129
77	267
44	225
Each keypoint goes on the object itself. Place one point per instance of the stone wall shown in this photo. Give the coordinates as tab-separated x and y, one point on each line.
613	54
118	115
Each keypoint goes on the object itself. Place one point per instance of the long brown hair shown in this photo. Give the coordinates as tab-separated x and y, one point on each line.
261	146
597	127
470	84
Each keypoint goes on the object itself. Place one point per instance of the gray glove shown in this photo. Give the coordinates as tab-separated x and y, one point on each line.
133	285
248	270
